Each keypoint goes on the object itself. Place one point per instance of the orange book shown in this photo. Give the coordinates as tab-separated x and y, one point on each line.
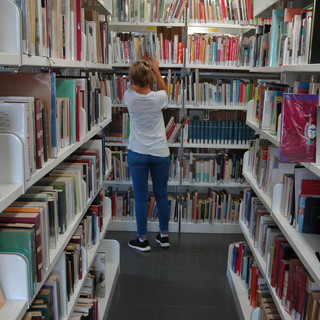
202	50
211	14
180	52
195	207
192	53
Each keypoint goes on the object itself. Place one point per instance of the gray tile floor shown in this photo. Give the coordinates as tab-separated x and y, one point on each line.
187	281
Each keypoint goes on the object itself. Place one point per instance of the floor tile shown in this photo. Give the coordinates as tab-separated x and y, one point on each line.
132	313
192	277
194	296
139	295
192	313
142	275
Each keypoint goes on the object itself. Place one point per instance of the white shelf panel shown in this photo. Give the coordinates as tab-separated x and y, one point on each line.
146	24
262	196
240	295
302	68
215	184
216	146
8	194
129	183
130	225
192	106
63	240
313	167
64	153
107	5
111	279
7	59
161	65
125	144
35	61
95	65
264	134
63	63
91	255
216	227
220	25
267	69
189	227
215	67
221	107
262	266
305	245
13	309
262	8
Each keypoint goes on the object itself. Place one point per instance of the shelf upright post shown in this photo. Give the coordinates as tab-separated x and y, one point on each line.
182	113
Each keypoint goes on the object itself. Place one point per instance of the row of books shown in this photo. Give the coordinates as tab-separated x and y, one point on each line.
216	206
220	11
52	300
286	273
131	46
33	222
301	194
213	92
162	11
218	50
242	263
222	132
63	30
264	165
119	129
213	168
290	40
49	113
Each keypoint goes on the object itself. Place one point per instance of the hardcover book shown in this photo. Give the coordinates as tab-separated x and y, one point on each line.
298	124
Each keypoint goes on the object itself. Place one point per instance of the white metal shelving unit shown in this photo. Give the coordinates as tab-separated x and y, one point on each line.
240	295
262	266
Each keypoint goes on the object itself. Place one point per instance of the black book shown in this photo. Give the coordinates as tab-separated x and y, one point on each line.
311	221
314	50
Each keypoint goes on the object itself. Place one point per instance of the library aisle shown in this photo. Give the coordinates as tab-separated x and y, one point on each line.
187	281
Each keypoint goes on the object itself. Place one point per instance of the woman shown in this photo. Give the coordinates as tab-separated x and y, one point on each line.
148	149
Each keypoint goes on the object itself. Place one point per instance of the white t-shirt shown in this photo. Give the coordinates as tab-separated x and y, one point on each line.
147	130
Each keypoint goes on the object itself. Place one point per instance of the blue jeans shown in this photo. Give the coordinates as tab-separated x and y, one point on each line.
139	166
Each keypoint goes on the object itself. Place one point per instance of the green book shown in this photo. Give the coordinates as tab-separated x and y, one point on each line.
66	88
21	241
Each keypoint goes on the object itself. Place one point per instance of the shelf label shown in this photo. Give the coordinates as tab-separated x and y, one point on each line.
152	28
213	30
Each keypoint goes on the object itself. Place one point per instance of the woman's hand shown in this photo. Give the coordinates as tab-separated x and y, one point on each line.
154	63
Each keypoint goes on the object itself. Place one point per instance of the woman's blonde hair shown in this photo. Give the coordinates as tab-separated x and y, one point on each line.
141	73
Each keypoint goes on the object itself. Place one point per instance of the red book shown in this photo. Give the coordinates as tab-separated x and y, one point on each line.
223	9
78	111
310	187
249	11
294	263
276	260
284	265
239	258
300	291
78	29
39	133
180	52
298	127
253	285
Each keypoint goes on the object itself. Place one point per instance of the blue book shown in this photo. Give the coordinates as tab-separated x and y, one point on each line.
238	91
215	131
235	132
206	131
202	131
223	132
231	92
218	131
210	131
198	131
277	19
240	131
190	131
230	132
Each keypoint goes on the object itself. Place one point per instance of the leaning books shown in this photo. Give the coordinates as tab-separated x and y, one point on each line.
298	127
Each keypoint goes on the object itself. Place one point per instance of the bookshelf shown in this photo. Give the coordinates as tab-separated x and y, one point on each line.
14	273
240	295
262	266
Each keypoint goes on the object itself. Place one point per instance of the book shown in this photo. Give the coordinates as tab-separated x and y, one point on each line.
298	128
21	241
277	18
